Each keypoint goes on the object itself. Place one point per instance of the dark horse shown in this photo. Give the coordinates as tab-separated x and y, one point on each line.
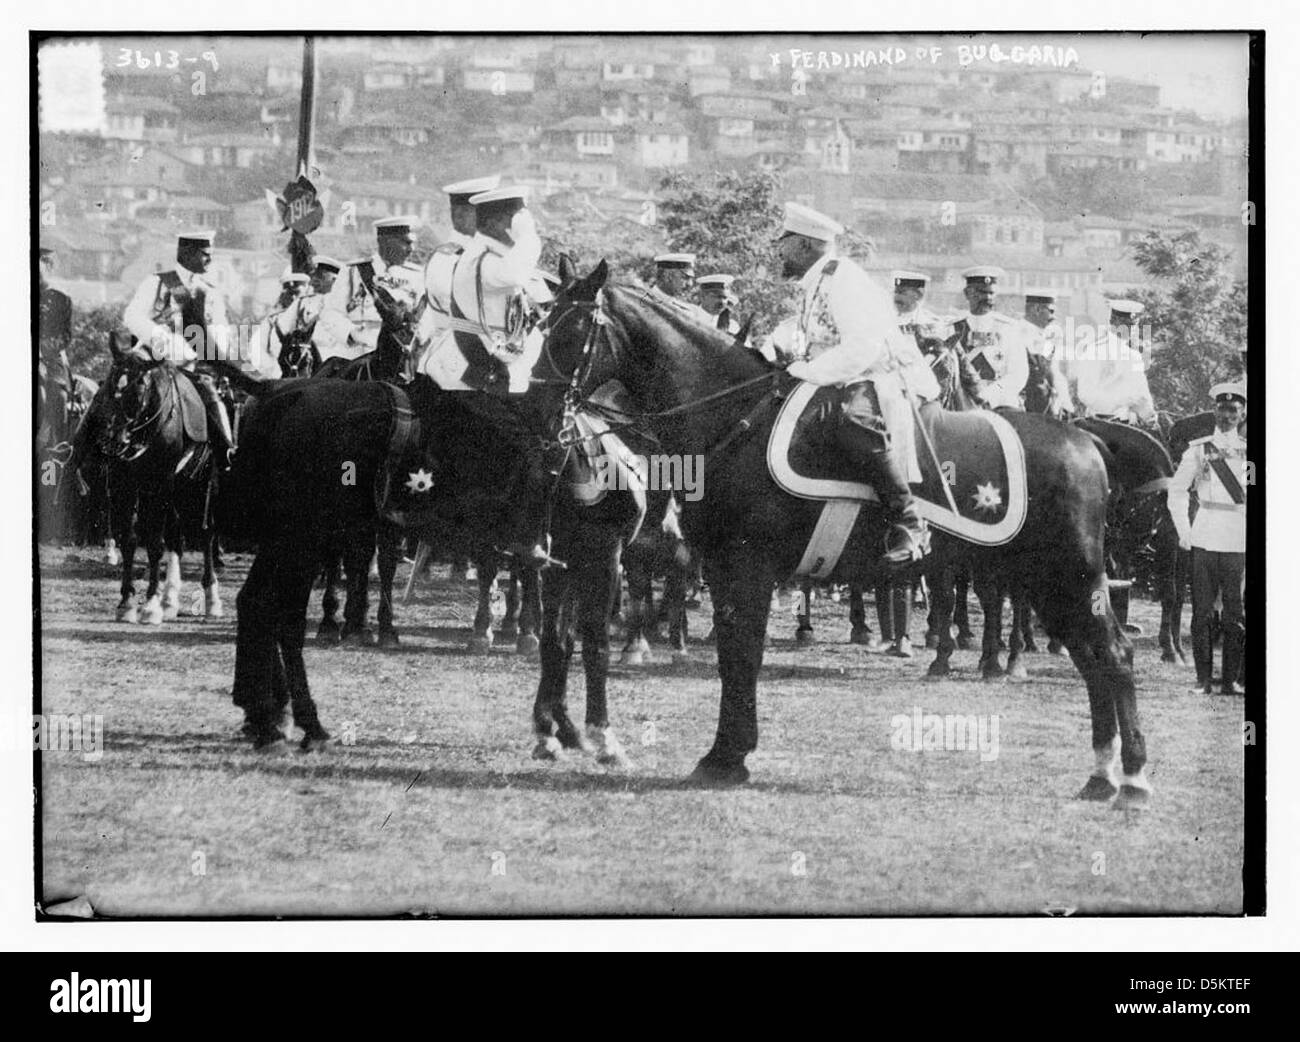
704	398
286	493
161	481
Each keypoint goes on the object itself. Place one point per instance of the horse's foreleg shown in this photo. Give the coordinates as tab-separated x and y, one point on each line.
859	631
126	607
677	577
940	582
486	566
552	727
152	521
509	628
390	551
742	601
213	608
530	611
359	549
636	647
961	607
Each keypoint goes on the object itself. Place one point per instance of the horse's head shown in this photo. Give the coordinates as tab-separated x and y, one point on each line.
133	402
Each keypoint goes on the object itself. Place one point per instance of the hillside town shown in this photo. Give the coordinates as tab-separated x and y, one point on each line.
1048	170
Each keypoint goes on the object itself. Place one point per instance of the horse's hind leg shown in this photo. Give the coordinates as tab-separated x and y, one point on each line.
552	727
1104	657
859	631
294	580
330	630
961	610
988	589
676	577
637	570
359	548
1022	619
257	657
390	550
940	582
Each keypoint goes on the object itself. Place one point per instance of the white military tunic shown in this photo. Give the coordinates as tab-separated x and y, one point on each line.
850	328
505	272
1114	381
999	341
1220	524
154	316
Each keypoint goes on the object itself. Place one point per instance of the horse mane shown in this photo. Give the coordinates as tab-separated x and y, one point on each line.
716	341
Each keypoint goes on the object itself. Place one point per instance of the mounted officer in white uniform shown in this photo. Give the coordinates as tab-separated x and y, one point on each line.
993	348
437	273
178	314
847	325
1216	470
1113	382
489	345
296	339
1047	341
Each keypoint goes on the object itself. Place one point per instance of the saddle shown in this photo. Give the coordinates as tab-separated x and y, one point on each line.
974	484
194	417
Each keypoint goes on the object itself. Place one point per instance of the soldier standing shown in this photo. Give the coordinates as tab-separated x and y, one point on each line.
55	327
1215	468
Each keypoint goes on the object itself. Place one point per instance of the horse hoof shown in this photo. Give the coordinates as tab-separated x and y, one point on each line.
314	743
902	648
940	667
508	633
1017	672
361	637
1055	647
388	638
680	656
803	637
112	557
608	749
632	657
215	610
1131	798
572	739
965	642
1031	647
328	632
1097	789
527	645
714	775
547	749
151	614
270	743
931	641
860	635
1168	656
480	644
128	613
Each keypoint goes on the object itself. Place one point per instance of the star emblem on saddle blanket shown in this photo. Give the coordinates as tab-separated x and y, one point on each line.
987	497
419	480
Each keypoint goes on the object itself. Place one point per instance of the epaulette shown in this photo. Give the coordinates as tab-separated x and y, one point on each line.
450	248
1200	441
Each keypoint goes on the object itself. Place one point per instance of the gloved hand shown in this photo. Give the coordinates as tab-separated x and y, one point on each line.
523	225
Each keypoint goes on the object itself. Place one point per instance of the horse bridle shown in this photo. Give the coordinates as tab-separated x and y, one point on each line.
131	450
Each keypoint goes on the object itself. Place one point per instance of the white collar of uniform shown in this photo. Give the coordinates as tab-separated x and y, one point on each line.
810	277
983	323
378	264
489	245
188	278
460	239
1229	439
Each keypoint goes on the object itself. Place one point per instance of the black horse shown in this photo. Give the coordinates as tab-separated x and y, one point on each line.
161	481
704	399
287	494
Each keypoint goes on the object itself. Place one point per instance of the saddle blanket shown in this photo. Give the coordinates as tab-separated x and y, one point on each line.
973	485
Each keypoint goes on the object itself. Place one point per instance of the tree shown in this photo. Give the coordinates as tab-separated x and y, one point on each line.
1197	314
89	354
730	220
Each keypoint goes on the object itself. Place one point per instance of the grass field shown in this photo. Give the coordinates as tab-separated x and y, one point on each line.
437	808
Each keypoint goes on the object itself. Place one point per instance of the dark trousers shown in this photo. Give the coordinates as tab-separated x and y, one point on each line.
894	609
862	434
1218	574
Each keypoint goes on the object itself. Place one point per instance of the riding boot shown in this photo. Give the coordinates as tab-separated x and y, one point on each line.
901	594
1202	653
909	539
219	433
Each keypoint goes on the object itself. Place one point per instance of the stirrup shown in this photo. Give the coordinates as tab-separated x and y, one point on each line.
917	545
